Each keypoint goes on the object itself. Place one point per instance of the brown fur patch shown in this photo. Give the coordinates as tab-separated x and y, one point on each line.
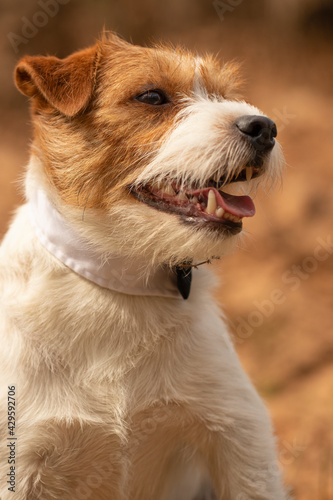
92	157
219	81
66	85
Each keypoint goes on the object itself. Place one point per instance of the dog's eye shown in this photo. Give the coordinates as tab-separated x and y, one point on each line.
152	97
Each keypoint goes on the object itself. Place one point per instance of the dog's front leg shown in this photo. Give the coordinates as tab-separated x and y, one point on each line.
235	453
241	464
235	439
228	423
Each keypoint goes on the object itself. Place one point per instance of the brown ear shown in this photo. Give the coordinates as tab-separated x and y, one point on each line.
66	84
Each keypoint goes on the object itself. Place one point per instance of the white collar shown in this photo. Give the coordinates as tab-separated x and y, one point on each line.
115	273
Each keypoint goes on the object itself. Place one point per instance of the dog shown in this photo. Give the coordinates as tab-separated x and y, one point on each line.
121	378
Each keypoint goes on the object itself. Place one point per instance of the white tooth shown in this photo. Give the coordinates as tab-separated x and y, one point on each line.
181	196
167	189
249	173
220	212
211	204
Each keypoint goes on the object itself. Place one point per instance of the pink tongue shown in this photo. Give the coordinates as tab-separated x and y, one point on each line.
241	206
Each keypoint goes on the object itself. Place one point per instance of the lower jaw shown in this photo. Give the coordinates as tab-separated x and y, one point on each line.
225	227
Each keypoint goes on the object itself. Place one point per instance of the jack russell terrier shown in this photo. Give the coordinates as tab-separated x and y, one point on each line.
121	379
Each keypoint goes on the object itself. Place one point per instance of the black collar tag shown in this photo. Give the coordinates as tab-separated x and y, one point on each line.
184	278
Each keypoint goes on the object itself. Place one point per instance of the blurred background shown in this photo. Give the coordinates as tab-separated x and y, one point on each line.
277	289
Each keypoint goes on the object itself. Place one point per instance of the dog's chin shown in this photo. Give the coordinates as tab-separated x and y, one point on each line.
140	231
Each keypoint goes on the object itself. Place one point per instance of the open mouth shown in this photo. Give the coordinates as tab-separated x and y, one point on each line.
208	205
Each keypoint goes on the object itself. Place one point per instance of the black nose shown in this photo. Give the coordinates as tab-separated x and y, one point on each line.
259	130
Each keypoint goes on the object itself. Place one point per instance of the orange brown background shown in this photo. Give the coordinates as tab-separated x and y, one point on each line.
277	290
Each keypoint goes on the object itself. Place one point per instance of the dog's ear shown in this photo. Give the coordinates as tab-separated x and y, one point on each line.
66	84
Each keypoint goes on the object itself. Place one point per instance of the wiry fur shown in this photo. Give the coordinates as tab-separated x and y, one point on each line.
200	125
119	396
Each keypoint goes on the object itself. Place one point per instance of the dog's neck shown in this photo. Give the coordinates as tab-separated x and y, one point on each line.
114	273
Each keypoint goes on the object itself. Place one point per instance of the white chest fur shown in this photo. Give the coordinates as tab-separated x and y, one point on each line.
152	371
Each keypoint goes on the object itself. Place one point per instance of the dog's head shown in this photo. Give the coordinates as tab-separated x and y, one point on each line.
153	145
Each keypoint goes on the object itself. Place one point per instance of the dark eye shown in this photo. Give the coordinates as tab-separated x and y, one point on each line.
152	97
